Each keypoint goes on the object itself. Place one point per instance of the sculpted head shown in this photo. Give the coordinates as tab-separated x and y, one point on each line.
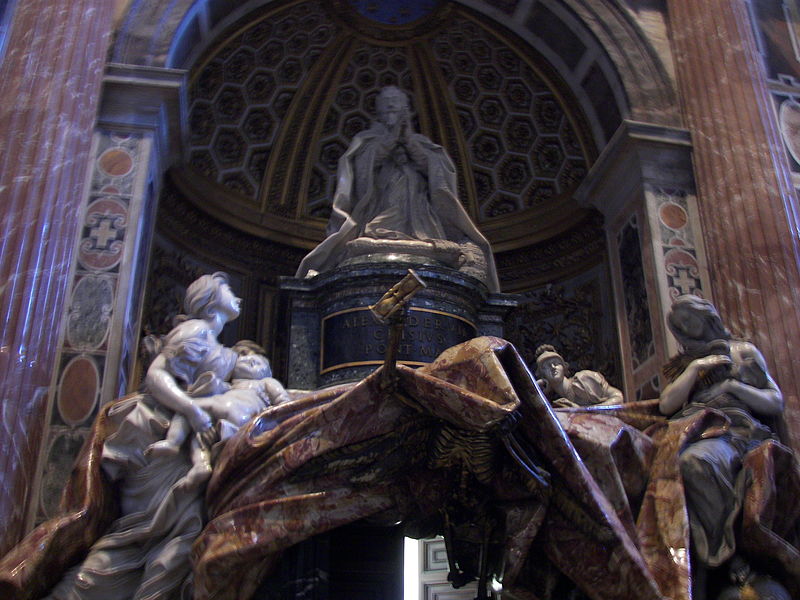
210	295
252	362
550	365
252	366
391	105
695	322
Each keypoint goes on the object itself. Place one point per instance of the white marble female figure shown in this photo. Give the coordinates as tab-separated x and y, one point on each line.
160	478
582	389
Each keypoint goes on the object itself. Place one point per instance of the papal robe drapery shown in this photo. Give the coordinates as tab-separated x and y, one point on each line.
358	190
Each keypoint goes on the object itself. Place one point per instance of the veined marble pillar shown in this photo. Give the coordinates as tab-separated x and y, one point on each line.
97	348
746	201
49	84
643	185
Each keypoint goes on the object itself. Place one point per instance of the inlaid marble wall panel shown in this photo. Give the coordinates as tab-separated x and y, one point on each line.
637	291
677	241
680	262
101	317
637	314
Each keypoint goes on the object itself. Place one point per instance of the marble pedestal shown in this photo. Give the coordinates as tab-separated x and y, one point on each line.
333	338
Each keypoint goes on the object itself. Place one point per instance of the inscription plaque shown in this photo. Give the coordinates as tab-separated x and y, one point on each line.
353	337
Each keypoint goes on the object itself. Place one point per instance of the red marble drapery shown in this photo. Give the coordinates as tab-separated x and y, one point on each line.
49	84
747	204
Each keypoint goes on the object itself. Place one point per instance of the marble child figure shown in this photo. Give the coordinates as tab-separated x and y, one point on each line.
716	371
251	390
584	388
195	387
231	404
397	193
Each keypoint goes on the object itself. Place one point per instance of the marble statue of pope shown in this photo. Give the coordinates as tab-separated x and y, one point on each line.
395	184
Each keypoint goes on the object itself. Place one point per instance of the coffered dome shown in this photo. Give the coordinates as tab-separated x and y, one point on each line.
274	103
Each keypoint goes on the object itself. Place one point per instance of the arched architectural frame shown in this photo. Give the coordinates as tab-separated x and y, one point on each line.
622	65
144	95
174	35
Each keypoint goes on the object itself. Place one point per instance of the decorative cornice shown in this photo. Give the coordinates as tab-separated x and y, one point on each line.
638	153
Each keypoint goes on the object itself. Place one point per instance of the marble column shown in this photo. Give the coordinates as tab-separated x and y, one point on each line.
746	201
137	133
49	82
643	185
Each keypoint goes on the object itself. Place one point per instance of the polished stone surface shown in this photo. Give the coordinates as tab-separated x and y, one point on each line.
50	82
744	194
334	339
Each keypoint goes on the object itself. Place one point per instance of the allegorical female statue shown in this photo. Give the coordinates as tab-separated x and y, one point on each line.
159	454
721	483
716	371
584	388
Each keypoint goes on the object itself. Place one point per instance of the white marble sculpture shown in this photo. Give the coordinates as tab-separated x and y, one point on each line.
584	388
199	392
396	194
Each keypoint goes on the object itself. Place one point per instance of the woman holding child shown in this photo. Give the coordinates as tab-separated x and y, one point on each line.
198	392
